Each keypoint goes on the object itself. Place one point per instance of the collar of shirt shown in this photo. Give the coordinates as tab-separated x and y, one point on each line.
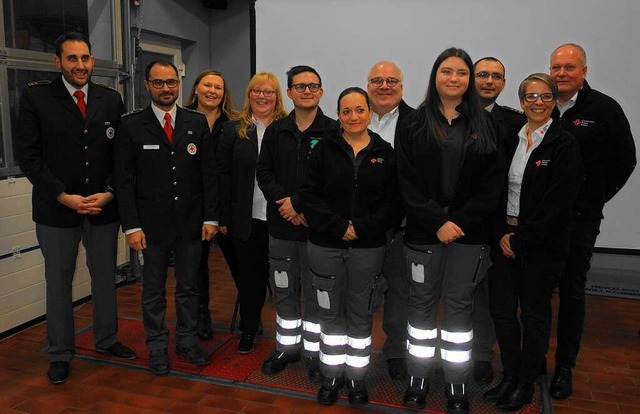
536	136
567	105
385	126
72	89
159	113
490	107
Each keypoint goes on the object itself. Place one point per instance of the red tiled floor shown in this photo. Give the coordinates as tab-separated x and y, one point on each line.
606	379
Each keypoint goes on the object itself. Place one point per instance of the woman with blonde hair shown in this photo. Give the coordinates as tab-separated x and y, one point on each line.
243	213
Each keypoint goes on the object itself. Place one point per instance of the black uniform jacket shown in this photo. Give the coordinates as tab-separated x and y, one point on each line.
550	183
507	121
162	188
334	193
603	133
59	151
476	193
237	158
282	168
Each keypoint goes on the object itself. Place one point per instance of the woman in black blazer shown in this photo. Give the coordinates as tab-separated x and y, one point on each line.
531	240
243	212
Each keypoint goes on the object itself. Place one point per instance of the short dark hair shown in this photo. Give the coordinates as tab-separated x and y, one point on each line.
70	36
490	59
354	89
160	63
300	69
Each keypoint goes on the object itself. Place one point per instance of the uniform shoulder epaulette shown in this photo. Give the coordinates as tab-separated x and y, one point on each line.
508	108
135	111
39	83
102	85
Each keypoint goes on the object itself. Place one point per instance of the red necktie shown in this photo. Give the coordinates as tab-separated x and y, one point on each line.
81	105
168	129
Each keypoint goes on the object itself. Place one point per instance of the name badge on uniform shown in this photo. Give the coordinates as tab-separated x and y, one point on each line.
192	149
189	132
151	147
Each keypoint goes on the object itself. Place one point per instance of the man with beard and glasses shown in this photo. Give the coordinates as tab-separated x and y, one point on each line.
166	183
64	146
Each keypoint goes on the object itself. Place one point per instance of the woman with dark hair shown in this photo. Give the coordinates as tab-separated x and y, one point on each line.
210	95
243	207
531	240
349	197
450	174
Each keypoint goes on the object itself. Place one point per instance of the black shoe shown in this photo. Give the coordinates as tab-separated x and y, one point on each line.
58	372
507	384
416	393
514	400
195	354
118	350
203	329
159	361
482	371
247	341
313	369
397	368
329	390
457	401
561	385
278	361
357	392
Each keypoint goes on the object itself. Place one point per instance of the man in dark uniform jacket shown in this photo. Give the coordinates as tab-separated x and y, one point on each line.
165	178
608	152
489	74
384	87
65	148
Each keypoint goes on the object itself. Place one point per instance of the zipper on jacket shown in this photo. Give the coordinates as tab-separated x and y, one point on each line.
478	263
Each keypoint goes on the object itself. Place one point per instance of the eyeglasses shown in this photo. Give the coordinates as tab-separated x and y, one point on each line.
266	92
391	82
485	75
533	97
159	83
300	87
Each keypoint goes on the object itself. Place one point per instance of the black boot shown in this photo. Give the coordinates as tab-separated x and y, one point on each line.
329	390
313	369
561	385
514	400
247	342
357	392
416	393
203	329
457	401
507	384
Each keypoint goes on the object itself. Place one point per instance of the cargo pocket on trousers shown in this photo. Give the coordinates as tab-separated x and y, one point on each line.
280	268
376	293
418	264
323	284
482	265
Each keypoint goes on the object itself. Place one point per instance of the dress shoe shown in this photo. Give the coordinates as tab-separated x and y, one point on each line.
457	401
482	371
58	372
329	390
278	361
416	393
313	369
357	392
118	350
195	354
514	400
203	328
561	385
507	384
159	361
247	341
397	368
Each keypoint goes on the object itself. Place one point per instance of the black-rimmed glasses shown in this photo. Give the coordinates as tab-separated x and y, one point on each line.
391	82
300	87
532	97
159	83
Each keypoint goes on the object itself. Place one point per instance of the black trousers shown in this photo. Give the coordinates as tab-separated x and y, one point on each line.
523	341
226	245
253	276
571	312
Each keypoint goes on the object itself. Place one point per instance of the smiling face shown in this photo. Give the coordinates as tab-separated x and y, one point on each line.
452	79
210	91
538	112
384	97
354	114
75	62
489	88
305	99
568	70
164	97
262	106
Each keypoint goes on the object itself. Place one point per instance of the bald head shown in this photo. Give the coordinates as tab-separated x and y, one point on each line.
384	97
568	67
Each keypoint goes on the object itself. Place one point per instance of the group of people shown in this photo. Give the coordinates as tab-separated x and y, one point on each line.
463	202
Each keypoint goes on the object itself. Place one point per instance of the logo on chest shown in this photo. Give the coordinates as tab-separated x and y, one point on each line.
377	160
583	122
192	149
542	163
